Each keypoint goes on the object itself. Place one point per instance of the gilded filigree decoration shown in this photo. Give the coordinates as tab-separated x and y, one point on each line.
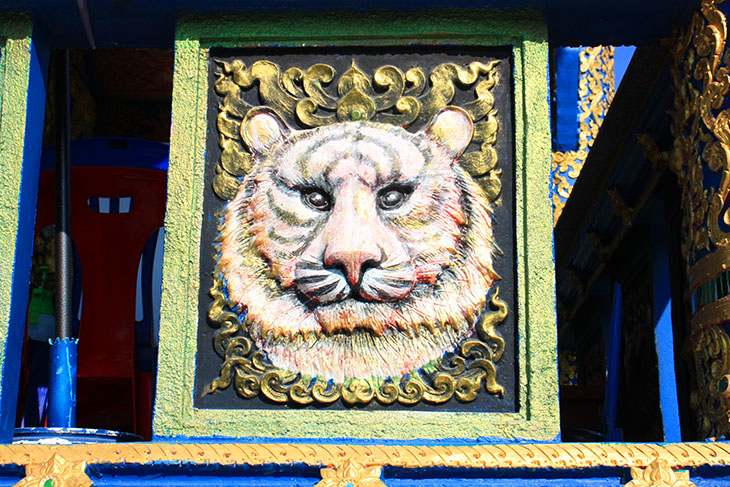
351	474
595	93
700	74
459	375
700	158
315	97
710	347
56	472
659	474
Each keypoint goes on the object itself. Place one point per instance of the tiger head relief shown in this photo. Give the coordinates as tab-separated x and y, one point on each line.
357	249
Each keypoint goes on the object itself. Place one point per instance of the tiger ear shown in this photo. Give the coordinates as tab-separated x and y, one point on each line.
452	129
262	128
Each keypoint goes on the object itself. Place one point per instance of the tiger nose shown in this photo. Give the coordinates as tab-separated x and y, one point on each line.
353	254
351	242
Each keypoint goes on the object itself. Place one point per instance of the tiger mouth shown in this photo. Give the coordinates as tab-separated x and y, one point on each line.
354	295
364	353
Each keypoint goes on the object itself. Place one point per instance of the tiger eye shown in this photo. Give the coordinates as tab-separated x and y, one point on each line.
316	199
391	199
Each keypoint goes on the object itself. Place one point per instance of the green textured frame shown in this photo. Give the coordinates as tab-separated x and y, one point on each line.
537	418
21	124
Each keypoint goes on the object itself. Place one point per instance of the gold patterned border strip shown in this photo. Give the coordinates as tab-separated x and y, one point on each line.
556	456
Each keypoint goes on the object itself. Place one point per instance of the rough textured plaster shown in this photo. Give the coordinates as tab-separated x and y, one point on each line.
15	31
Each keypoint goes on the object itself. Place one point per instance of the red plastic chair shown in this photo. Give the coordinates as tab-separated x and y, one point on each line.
111	393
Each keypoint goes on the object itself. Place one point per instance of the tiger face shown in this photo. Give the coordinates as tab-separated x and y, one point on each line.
357	249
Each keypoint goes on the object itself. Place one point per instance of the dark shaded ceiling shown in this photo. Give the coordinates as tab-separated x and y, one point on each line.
151	23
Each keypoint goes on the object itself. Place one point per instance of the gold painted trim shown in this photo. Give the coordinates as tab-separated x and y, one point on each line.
351	473
561	456
659	474
57	471
712	314
708	267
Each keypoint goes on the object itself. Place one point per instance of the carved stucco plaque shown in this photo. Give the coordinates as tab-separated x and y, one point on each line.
359	216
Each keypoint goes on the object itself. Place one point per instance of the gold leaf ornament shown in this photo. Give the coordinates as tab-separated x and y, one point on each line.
315	97
351	474
56	472
595	92
659	474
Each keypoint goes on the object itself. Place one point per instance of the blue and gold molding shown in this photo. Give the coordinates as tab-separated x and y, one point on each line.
635	464
578	125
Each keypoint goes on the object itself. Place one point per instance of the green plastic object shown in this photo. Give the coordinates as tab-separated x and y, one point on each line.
41	299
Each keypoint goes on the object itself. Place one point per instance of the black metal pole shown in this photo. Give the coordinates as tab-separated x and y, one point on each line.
64	349
64	250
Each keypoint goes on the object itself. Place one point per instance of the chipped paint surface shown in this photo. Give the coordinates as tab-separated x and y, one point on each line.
537	417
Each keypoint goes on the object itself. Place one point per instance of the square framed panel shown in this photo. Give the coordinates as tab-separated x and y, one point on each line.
358	232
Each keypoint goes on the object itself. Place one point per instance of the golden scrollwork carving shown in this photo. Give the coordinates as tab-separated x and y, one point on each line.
701	129
461	375
314	97
659	474
351	474
595	92
712	362
700	158
56	472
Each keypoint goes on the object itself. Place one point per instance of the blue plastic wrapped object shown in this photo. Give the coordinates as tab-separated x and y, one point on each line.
62	383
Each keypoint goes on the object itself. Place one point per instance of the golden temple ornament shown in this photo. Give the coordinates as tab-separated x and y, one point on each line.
461	376
659	474
351	474
56	472
314	98
595	92
701	147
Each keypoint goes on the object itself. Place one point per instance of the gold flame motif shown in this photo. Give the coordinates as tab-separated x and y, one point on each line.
462	376
389	96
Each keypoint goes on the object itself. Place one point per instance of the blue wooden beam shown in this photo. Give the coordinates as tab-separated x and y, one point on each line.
664	337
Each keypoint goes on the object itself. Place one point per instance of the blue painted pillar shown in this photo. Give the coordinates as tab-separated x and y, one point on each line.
62	383
664	337
565	109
